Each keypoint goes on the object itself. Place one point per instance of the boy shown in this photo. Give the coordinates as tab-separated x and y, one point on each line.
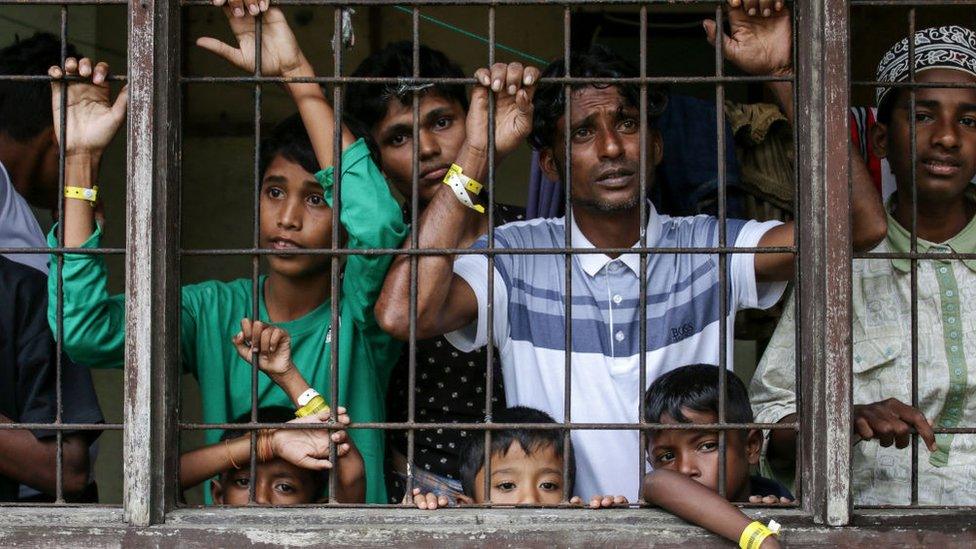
295	213
881	302
686	461
450	386
285	475
526	467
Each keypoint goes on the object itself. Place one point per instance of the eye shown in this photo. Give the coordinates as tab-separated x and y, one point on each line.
664	458
284	488
443	122
506	486
708	446
629	125
550	486
242	482
275	192
968	121
315	200
398	139
582	133
922	116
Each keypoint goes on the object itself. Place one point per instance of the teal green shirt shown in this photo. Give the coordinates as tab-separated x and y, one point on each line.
211	312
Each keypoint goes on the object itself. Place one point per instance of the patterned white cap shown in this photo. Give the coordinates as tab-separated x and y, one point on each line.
948	47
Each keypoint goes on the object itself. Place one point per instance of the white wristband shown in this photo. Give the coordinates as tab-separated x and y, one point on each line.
307	396
457	184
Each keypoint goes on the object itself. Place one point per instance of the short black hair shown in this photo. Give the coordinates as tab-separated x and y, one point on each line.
290	140
598	61
695	387
25	107
267	414
273	414
367	105
531	440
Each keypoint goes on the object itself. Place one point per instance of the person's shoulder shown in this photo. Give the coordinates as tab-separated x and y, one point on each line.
210	290
531	233
686	231
21	279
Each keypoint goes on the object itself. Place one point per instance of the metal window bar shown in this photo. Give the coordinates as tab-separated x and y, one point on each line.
821	61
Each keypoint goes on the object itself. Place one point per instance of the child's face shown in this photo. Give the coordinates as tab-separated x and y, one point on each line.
277	482
294	215
520	478
945	126
441	136
694	453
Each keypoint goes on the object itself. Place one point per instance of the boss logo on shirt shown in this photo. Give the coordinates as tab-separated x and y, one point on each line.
685	330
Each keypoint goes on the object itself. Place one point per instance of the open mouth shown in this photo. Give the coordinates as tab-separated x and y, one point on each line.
284	244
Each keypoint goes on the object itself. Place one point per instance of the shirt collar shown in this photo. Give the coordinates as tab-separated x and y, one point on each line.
900	240
592	263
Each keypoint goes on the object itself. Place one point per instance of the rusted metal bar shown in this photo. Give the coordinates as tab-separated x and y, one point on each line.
505	251
468	2
490	304
152	282
913	230
335	282
825	258
496	426
63	250
723	272
642	273
414	244
568	259
575	80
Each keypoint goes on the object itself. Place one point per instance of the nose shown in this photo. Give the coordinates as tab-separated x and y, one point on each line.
428	147
611	145
290	214
946	133
529	496
262	493
688	468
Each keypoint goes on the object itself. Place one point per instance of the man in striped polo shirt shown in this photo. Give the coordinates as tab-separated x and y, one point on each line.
684	307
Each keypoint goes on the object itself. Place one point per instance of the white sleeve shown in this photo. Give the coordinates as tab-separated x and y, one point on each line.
473	269
746	291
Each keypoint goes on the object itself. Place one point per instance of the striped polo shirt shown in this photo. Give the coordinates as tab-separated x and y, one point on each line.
683	323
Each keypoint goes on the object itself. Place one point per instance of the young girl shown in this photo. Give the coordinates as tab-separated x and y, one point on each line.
295	213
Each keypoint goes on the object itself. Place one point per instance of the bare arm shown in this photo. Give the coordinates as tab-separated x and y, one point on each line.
445	302
761	43
698	504
280	56
32	461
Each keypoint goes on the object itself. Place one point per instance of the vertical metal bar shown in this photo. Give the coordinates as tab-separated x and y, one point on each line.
723	273
798	206
59	396
490	307
334	262
568	258
152	283
642	274
256	288
825	257
914	247
414	244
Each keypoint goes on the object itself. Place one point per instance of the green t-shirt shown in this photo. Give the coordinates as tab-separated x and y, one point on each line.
211	312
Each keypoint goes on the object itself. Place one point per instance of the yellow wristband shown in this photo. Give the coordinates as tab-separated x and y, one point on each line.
462	185
317	404
754	534
469	184
82	193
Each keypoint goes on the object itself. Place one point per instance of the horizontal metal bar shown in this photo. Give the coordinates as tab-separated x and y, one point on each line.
46	78
63	426
908	84
58	250
917	507
571	80
497	426
712	250
429	3
63	2
907	3
567	505
915	255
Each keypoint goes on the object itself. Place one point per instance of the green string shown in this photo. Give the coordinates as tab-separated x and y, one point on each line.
474	36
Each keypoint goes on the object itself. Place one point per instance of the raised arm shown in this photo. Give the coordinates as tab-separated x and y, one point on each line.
698	504
280	56
445	302
760	43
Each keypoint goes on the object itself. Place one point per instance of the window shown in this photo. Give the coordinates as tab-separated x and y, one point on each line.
161	248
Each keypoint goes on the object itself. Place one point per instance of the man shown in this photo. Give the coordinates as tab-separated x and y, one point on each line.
881	302
683	306
450	386
28	148
28	359
29	177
